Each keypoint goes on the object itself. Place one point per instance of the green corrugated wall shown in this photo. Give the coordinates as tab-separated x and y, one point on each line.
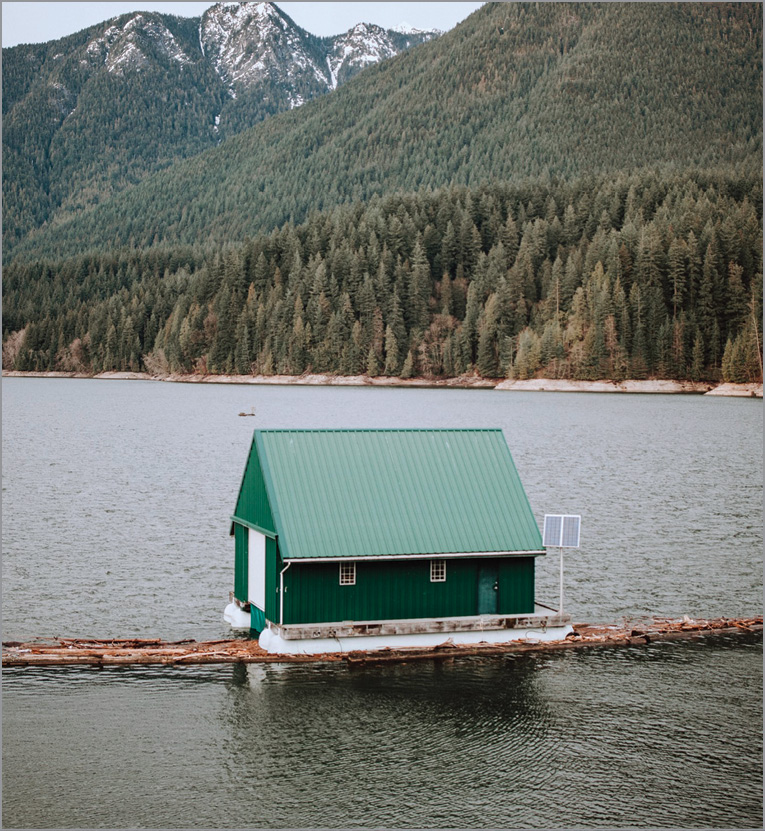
241	571
252	504
272	580
516	585
395	589
241	557
257	620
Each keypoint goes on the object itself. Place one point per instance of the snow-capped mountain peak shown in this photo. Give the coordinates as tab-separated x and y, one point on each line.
405	29
130	46
247	42
248	45
364	44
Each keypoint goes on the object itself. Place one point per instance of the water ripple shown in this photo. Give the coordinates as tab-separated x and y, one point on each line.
115	523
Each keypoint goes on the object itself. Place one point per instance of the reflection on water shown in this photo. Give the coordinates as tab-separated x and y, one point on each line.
666	735
405	744
430	726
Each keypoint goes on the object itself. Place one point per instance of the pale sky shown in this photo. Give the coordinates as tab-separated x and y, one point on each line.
33	22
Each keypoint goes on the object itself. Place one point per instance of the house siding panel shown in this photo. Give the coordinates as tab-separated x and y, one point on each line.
253	505
241	557
516	586
273	567
393	590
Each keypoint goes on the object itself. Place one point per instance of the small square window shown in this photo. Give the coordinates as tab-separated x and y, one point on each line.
347	574
438	571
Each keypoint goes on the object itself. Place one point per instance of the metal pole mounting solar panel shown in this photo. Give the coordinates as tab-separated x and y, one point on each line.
561	531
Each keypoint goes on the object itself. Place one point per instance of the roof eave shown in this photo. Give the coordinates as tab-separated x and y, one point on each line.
437	555
235	520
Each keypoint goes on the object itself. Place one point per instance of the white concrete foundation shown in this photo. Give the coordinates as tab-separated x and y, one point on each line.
237	618
271	642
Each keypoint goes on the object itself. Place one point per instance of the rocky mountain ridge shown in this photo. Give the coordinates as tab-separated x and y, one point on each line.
119	48
245	43
90	114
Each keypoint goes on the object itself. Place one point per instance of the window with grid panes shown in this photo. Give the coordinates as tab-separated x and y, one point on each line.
347	574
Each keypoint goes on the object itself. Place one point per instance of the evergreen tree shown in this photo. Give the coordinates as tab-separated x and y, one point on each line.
407	371
298	351
697	361
224	339
677	274
419	288
488	333
528	356
392	360
730	363
446	294
110	361
638	362
242	361
470	324
373	363
186	311
736	305
694	270
355	353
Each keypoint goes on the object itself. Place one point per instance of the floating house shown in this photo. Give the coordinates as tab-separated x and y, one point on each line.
365	539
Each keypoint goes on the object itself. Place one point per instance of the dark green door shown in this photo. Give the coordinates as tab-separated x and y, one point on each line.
487	588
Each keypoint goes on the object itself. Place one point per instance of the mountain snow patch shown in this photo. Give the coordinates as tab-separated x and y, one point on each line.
120	48
249	42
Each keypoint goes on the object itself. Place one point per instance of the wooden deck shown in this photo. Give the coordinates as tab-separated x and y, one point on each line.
133	651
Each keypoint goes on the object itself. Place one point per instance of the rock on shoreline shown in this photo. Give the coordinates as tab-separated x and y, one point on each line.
462	382
666	387
744	390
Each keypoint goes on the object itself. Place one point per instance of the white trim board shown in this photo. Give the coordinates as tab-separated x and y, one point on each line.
434	556
256	569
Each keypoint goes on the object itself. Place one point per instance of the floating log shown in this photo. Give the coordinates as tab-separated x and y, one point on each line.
127	651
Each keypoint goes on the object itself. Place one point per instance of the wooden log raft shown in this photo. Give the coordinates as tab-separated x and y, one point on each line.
129	651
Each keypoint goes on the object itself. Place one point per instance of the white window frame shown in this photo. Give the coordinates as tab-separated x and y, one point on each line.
438	571
347	573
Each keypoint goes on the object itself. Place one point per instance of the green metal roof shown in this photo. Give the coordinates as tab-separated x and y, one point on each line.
366	493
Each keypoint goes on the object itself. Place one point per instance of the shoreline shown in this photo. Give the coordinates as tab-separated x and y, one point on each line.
665	387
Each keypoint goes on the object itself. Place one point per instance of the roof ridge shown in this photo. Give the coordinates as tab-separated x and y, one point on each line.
378	430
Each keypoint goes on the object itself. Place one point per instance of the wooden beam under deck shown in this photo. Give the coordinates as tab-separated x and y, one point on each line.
135	651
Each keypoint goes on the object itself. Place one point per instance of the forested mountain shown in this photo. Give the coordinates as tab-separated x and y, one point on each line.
558	189
516	90
88	115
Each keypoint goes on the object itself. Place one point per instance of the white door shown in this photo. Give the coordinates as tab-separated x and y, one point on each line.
256	573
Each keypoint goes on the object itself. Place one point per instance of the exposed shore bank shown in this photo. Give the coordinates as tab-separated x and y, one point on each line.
461	382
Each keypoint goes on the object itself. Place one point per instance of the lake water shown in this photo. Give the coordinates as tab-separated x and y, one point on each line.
116	505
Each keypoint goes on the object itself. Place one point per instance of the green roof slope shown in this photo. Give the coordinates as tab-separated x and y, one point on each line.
365	493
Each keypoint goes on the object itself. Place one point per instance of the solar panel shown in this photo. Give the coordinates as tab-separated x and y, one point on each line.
561	531
552	530
570	534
